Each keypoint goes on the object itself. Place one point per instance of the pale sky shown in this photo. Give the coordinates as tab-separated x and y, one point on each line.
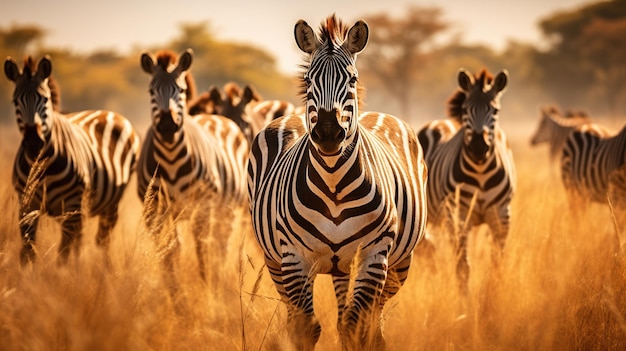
131	25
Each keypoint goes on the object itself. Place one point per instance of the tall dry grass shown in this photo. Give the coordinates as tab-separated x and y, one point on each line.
560	286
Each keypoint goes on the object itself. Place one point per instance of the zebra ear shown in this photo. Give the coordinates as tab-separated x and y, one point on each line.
147	62
500	82
466	81
44	67
214	95
11	70
249	95
184	62
305	37
357	37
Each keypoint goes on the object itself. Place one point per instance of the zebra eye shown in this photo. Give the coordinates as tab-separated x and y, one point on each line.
353	80
151	91
495	111
307	81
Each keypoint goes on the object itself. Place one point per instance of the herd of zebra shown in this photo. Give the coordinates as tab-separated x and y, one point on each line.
326	185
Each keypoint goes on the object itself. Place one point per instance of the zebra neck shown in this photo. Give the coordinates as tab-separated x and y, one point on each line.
341	170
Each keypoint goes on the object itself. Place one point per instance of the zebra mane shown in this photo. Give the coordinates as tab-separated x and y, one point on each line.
164	59
455	102
332	31
30	68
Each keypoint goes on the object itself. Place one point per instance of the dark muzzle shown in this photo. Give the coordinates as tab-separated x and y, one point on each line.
478	147
166	126
33	140
327	133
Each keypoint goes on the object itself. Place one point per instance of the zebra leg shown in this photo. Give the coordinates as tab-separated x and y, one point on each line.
498	222
71	231
28	230
296	280
200	221
462	265
341	285
106	224
360	325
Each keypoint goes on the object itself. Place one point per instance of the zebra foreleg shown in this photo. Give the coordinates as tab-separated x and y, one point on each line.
106	224
462	264
297	283
361	327
28	230
200	228
71	235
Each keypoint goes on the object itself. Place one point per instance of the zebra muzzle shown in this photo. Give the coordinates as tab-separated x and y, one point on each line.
327	133
33	140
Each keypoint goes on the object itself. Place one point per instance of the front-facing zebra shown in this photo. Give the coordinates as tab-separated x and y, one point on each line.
66	161
333	187
189	161
470	166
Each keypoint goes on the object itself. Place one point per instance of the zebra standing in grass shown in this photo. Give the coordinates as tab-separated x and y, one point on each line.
335	187
471	171
593	164
65	160
189	160
554	128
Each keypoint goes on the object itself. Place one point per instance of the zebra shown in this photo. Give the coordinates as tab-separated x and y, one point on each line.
470	165
333	184
188	160
262	113
234	105
554	128
66	163
593	164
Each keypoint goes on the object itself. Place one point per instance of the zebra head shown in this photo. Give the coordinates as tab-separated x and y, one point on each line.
480	111
35	98
544	131
168	91
329	82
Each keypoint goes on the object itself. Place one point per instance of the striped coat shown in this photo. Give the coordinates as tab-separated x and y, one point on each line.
334	187
67	163
471	170
554	128
196	164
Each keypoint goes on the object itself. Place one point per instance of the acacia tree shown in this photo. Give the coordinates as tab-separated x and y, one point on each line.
573	67
398	49
603	46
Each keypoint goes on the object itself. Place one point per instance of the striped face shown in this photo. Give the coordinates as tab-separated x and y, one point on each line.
32	101
167	92
330	84
480	113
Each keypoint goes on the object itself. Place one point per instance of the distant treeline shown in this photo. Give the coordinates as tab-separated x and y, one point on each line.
409	67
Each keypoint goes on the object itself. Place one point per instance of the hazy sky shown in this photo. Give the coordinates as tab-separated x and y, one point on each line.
130	25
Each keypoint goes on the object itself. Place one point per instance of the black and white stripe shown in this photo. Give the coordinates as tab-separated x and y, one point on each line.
592	164
195	160
554	128
84	157
333	184
470	165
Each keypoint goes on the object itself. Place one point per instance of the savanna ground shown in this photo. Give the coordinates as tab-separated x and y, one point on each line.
561	286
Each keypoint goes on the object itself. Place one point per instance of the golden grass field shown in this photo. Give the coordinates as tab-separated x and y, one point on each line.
561	286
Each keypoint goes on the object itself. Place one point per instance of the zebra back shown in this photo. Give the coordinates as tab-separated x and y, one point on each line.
592	153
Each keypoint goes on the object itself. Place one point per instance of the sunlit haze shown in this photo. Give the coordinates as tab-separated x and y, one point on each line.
126	26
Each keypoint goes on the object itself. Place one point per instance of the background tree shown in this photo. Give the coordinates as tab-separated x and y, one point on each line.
569	76
397	51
